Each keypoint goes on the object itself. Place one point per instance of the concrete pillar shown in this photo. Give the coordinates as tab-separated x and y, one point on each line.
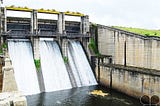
84	24
154	55
34	22
158	54
3	25
5	20
147	52
120	48
65	47
9	82
35	44
116	57
61	23
1	15
34	31
141	52
129	50
136	49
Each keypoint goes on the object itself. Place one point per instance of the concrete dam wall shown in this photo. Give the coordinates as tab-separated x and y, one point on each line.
128	48
135	68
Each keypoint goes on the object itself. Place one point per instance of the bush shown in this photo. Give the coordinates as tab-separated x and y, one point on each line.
4	45
147	34
65	59
1	51
93	47
37	64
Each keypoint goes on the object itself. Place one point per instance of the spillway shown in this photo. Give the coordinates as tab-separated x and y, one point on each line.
55	74
79	64
21	56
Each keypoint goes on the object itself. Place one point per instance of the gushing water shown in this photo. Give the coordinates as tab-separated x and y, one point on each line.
55	74
80	67
24	68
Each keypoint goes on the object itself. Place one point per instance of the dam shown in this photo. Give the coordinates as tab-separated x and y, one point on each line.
68	68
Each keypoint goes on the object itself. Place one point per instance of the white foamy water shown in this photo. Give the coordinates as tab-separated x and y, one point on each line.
55	74
80	67
21	56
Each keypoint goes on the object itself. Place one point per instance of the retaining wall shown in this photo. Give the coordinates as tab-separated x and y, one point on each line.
139	51
129	81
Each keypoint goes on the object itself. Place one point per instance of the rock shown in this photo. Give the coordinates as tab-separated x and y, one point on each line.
12	98
4	103
4	95
98	92
20	101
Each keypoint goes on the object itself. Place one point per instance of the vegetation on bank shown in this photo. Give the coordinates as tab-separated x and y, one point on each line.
92	46
37	64
145	32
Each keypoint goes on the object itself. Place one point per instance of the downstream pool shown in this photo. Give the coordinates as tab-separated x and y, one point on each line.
81	97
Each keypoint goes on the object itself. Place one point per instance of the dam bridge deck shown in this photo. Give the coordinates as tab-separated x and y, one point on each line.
45	35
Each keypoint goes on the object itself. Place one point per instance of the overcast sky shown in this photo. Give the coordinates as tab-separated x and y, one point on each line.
131	13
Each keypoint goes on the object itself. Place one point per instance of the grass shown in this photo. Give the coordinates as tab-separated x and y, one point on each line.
145	32
38	64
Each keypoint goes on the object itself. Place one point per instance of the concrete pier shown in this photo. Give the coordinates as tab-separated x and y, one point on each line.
85	24
10	95
3	23
35	45
34	22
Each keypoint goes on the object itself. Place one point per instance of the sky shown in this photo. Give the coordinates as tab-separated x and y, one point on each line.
129	13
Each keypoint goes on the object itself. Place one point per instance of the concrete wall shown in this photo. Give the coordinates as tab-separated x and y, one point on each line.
140	51
132	83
